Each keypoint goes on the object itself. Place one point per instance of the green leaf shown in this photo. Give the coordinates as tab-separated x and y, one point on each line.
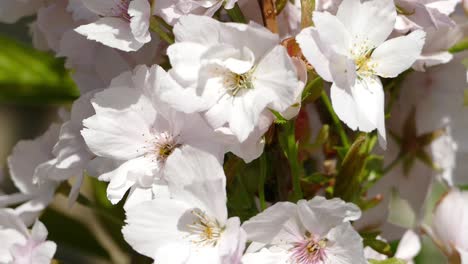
387	261
460	46
31	76
70	233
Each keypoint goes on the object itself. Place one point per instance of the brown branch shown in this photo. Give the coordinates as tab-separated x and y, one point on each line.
269	14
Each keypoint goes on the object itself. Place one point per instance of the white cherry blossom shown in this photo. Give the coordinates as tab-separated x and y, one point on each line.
19	245
350	50
30	161
123	25
191	227
309	232
134	127
232	73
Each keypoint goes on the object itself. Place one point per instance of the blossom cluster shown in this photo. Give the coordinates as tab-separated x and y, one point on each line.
180	97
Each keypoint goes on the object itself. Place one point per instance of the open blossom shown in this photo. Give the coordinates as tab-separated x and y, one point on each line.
450	216
19	245
133	127
232	73
309	232
192	226
30	161
123	25
350	50
172	10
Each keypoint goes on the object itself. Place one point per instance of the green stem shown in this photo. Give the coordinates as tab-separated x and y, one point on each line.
236	14
261	182
336	120
292	153
157	27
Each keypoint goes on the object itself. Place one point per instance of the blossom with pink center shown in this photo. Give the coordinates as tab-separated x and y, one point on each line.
309	232
135	130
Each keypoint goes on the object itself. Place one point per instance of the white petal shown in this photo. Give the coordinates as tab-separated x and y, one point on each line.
105	133
185	60
409	246
139	10
370	102
276	76
113	32
125	176
232	242
463	255
197	178
39	232
344	106
44	253
270	225
332	32
372	21
154	224
343	70
311	47
449	215
319	215
396	55
346	246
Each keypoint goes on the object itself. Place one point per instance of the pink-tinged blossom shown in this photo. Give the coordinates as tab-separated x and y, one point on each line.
309	232
22	246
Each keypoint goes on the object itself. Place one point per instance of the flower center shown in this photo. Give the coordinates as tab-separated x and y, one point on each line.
311	250
237	83
204	231
164	145
361	53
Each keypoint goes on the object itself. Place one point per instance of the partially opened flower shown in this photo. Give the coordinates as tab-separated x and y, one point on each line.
448	225
19	245
133	127
30	164
233	73
192	226
123	25
309	232
350	50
